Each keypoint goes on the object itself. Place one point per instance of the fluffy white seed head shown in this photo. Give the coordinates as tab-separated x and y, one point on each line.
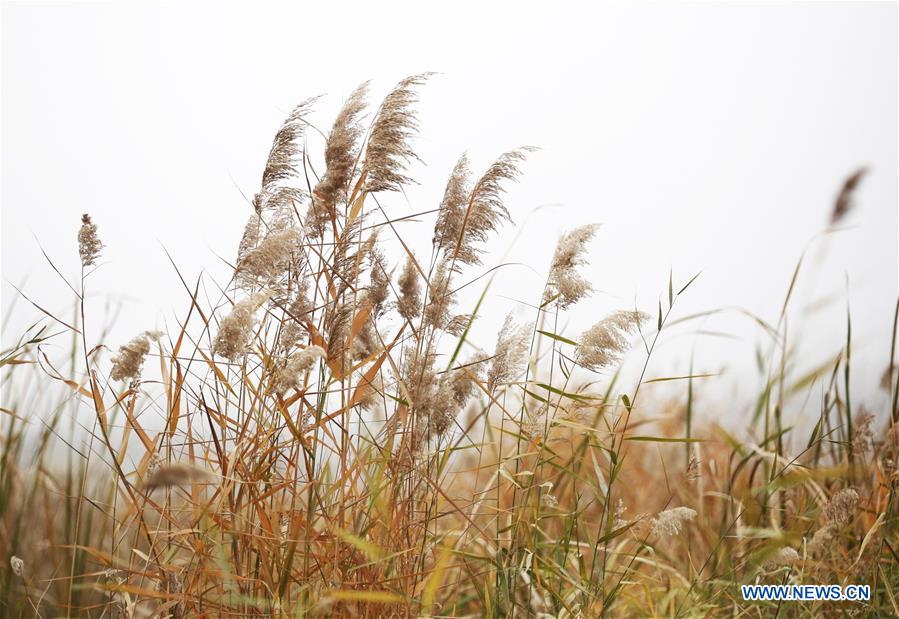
511	352
565	281
291	375
603	343
89	244
672	521
235	329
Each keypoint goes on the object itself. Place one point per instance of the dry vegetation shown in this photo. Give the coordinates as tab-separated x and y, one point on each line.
323	438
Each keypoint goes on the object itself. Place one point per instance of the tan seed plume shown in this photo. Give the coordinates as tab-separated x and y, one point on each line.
293	328
511	353
175	474
17	565
452	208
287	147
127	364
379	284
388	152
437	312
270	259
409	303
340	152
235	329
672	521
89	244
602	344
565	281
485	209
845	200
840	510
291	375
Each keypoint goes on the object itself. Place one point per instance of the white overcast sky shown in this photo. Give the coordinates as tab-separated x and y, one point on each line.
704	137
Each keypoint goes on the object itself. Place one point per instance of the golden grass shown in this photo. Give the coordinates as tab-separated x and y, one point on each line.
323	439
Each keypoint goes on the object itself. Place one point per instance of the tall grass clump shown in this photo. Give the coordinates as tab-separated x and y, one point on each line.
321	436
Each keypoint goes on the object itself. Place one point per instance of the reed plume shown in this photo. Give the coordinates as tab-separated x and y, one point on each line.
388	152
340	149
840	510
672	521
127	364
409	303
17	565
437	311
290	376
511	352
567	285
286	151
463	230
89	244
448	227
167	475
602	344
236	328
845	199
379	283
292	327
270	260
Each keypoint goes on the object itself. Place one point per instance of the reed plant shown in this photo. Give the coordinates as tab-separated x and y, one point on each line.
321	436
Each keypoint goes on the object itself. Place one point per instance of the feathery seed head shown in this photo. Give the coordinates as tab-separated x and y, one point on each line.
89	244
340	151
840	510
291	375
127	364
821	539
565	281
235	329
250	238
786	556
175	474
449	397
437	312
287	146
484	210
671	521
845	200
270	259
366	342
292	329
462	380
602	344
409	303
338	323
457	324
379	284
388	152
511	353
278	205
863	435
620	520
452	208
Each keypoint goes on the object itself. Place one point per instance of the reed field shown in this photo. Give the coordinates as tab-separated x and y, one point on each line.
320	435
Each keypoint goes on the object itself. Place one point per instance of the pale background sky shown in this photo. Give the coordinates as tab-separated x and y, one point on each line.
704	137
